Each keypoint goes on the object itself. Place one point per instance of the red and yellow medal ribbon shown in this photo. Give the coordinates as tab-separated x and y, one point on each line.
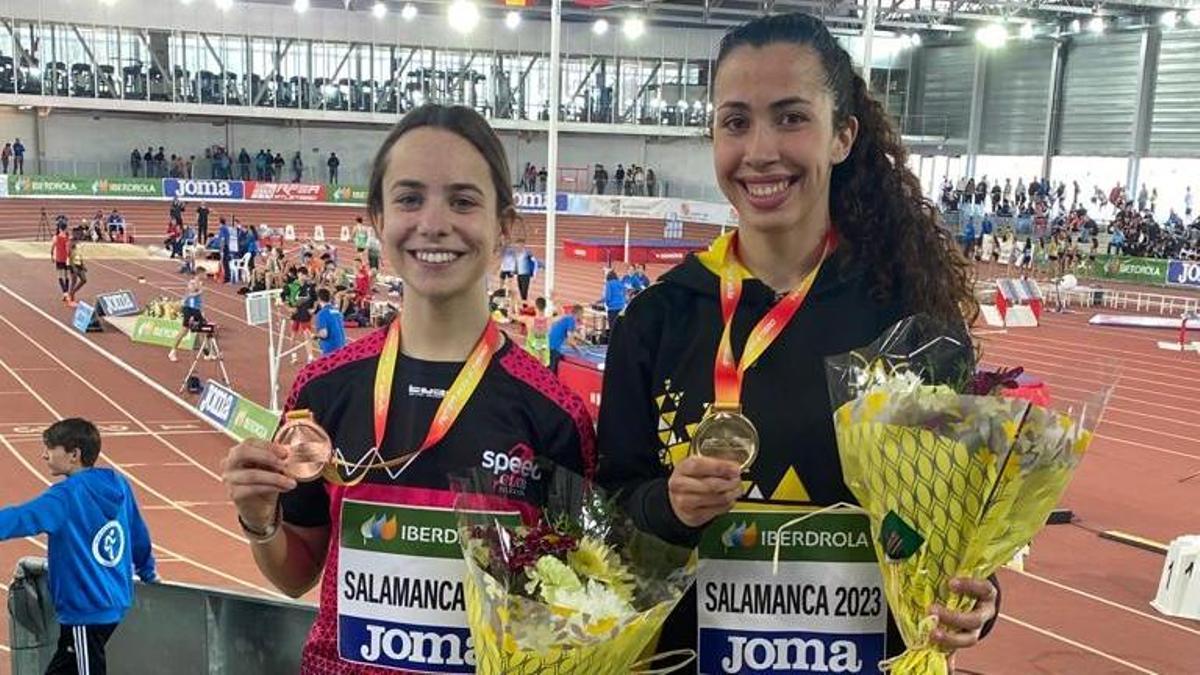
465	384
728	373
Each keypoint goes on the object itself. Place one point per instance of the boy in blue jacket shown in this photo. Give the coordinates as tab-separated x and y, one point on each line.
97	539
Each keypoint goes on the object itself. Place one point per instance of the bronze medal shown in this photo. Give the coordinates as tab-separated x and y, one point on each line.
309	448
727	435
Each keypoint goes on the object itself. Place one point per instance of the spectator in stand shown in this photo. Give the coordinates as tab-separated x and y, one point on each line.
189	166
202	212
18	149
297	167
968	195
269	163
1189	202
135	163
5	157
116	225
600	178
253	244
278	165
148	163
260	165
227	245
1116	243
541	177
160	162
244	164
333	163
1143	198
329	324
651	183
981	193
97	541
619	175
996	191
1116	197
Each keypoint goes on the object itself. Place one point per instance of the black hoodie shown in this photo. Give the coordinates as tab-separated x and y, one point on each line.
659	379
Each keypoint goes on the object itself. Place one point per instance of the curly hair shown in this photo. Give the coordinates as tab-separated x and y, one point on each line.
876	202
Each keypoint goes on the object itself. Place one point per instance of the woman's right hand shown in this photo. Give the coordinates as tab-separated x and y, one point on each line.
255	473
702	488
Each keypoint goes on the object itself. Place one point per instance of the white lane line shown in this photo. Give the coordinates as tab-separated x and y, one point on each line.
1078	645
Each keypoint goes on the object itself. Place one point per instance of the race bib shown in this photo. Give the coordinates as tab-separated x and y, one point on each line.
824	611
401	602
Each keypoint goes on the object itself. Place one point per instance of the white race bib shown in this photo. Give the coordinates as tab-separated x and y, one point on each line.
823	612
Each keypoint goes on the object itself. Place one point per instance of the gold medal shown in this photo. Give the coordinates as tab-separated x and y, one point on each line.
727	435
309	448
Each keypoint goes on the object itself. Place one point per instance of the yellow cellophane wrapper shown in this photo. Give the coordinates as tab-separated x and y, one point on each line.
953	479
500	622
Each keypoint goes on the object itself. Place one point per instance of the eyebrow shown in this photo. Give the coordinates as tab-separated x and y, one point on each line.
452	187
781	103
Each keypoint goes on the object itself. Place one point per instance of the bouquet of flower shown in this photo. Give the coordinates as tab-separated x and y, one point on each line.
570	586
955	473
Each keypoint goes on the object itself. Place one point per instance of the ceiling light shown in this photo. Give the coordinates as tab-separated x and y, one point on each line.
600	27
992	35
1096	25
224	5
512	20
1026	31
301	6
634	27
379	9
914	40
463	16
1193	17
409	12
1076	26
185	2
1169	19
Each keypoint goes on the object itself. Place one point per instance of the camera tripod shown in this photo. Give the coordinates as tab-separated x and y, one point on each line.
208	349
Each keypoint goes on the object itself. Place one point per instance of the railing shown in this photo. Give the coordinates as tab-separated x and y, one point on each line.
180	629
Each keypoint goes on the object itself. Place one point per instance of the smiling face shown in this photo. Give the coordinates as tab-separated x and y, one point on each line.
440	228
774	142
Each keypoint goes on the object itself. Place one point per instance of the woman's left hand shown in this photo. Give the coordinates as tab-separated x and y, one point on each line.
957	630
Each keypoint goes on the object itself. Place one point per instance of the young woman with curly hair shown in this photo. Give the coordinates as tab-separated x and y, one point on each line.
835	244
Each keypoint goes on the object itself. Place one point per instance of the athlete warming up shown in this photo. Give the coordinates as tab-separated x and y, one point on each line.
716	424
438	391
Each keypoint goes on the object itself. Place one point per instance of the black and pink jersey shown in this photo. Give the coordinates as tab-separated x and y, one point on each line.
392	589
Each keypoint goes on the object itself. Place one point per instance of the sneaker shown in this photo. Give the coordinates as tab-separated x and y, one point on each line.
172	356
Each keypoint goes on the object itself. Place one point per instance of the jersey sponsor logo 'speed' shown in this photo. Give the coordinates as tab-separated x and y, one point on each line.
409	646
791	654
513	470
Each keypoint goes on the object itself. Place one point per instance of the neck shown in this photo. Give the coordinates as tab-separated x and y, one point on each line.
781	259
444	329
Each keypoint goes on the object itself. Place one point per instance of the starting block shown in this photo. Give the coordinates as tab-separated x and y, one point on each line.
319	233
1179	587
289	233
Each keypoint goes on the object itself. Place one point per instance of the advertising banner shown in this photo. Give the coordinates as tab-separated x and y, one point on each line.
535	202
346	194
48	186
152	330
284	192
1136	270
127	187
203	189
1184	273
239	416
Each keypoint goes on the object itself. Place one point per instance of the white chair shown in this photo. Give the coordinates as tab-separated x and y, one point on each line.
239	270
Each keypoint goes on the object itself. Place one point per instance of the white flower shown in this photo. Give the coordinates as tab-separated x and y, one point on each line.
597	602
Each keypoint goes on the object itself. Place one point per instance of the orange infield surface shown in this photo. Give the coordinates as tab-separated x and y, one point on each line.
1080	606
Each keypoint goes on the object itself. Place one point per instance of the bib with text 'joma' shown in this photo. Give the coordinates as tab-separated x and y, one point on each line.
823	611
401	602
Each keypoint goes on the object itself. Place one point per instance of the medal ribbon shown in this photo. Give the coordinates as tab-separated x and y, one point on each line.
452	404
728	373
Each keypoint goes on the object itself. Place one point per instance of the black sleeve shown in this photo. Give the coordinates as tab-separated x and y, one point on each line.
308	504
627	437
987	627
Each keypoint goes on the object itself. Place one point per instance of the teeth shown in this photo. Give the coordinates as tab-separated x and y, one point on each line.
766	189
436	257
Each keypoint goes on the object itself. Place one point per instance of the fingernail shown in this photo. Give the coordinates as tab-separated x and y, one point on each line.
938	635
955	585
